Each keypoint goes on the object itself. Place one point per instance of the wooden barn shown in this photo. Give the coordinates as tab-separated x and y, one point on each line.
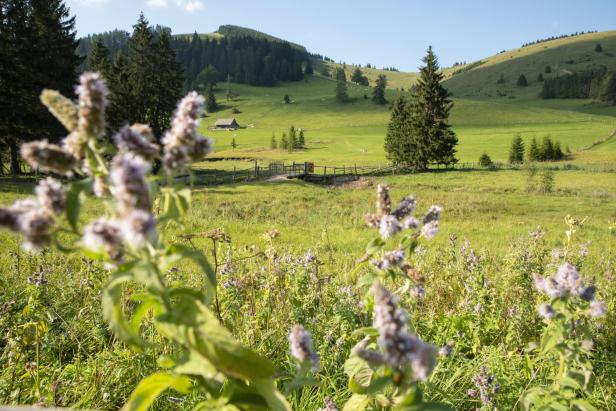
226	124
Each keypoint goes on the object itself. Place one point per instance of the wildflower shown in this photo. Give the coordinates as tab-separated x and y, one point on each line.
138	228
537	234
566	281
136	139
38	279
61	107
310	258
399	346
597	309
433	214
104	235
329	405
406	207
50	195
92	92
446	350
418	292
390	260
546	311
383	201
429	230
300	342
182	143
410	223
128	183
389	226
48	157
486	387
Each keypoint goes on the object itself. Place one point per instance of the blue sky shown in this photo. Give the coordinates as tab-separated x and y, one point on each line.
383	33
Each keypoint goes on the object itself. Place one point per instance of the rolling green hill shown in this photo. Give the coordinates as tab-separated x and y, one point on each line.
564	56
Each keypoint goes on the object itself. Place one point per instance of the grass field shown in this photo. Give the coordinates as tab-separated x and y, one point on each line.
353	133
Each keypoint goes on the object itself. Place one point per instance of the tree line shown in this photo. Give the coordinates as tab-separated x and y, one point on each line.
37	51
246	59
547	150
294	140
596	83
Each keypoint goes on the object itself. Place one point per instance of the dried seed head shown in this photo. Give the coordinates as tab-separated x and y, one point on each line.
61	107
383	201
104	235
50	195
139	228
128	183
136	139
48	157
92	92
300	342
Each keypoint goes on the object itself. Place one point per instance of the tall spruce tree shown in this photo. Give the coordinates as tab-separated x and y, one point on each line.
341	86
273	143
516	151
522	82
358	77
141	70
120	95
301	139
211	105
398	137
37	51
533	151
292	139
432	139
378	94
98	59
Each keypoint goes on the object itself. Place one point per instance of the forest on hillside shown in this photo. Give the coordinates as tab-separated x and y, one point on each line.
257	61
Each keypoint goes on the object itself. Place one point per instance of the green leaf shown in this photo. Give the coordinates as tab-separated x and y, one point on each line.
178	252
365	331
357	402
549	340
274	399
375	245
112	311
193	325
195	364
583	405
151	387
427	406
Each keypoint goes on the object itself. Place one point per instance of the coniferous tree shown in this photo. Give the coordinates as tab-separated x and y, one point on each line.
284	142
37	51
301	140
398	137
273	143
608	94
598	48
120	96
286	99
233	143
485	160
309	70
540	78
378	94
558	152
141	71
292	139
522	82
432	139
209	75
358	77
547	70
211	105
98	59
341	86
228	92
533	151
547	149
516	151
501	79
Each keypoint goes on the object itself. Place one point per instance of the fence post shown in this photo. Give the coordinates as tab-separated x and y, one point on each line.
324	170
356	169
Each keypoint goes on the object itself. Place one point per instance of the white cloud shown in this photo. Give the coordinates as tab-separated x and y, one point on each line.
190	5
157	4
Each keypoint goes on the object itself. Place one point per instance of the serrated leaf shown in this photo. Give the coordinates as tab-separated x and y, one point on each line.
357	402
583	405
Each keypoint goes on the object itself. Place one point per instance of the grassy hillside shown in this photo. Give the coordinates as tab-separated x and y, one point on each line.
345	134
563	55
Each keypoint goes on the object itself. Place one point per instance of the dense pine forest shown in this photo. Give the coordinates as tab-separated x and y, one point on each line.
247	59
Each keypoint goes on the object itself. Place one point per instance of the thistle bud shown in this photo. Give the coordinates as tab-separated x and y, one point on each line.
92	91
48	157
62	108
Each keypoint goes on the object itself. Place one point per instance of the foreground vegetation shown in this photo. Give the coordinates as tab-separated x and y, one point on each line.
300	258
